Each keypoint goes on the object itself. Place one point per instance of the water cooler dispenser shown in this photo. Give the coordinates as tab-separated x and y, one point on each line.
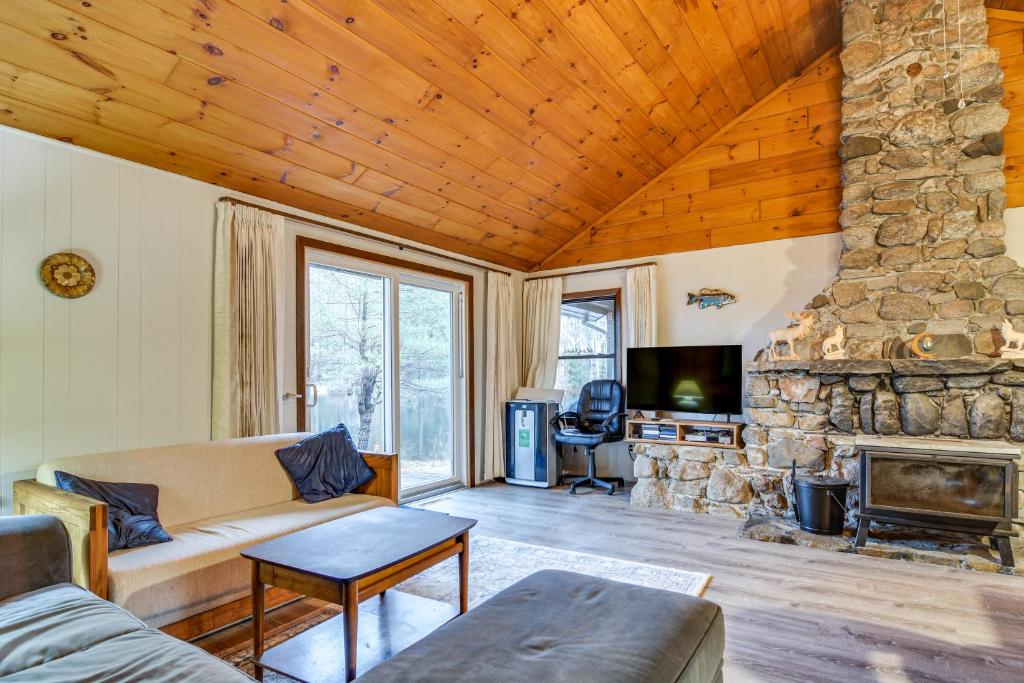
531	456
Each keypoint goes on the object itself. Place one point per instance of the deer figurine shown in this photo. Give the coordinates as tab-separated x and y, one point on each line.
790	335
834	347
1014	346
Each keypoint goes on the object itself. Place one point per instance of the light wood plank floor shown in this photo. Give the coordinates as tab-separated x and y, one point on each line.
792	613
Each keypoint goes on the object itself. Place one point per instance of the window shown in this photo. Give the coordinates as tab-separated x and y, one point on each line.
588	347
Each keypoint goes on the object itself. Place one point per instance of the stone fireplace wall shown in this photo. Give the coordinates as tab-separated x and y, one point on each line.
923	183
923	251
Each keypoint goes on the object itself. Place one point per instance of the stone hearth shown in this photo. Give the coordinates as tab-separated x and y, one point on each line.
961	551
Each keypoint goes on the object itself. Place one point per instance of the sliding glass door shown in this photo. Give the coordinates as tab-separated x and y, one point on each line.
385	355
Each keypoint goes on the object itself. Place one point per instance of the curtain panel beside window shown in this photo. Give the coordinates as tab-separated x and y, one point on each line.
248	321
641	308
542	307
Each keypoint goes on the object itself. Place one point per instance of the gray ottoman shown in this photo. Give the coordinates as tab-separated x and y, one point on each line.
562	626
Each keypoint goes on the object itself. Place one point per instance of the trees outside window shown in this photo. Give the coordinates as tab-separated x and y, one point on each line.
588	346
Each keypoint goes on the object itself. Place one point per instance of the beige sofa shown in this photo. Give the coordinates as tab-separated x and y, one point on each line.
216	498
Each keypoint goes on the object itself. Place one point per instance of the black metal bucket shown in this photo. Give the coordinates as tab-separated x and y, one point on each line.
820	503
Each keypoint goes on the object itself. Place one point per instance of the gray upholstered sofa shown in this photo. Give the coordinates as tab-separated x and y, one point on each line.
562	627
53	630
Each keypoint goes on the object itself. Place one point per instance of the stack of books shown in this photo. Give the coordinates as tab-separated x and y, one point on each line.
655	432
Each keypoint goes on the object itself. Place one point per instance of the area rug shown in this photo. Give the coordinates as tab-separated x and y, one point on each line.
494	564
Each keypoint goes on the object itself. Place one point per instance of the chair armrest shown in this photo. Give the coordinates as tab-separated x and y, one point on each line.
605	423
385	480
85	520
562	418
36	554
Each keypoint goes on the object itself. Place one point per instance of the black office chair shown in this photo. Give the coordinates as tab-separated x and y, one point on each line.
598	419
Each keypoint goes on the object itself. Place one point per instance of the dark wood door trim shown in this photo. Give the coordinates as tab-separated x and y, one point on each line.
302	244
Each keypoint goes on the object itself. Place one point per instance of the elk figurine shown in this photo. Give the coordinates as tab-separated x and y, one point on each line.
790	335
834	347
1014	346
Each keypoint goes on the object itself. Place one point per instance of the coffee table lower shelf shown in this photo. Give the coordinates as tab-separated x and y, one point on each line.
387	625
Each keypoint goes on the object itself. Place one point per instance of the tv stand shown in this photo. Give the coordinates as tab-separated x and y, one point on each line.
673	432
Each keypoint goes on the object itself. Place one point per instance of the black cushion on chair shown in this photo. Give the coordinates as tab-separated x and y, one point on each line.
575	437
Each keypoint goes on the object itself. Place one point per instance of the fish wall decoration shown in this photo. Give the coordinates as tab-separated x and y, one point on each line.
710	297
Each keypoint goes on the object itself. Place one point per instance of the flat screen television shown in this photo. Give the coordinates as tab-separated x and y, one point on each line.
685	379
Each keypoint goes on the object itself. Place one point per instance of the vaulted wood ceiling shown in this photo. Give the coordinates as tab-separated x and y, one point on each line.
495	128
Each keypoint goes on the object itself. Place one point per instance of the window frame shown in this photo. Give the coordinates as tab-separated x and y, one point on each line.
616	342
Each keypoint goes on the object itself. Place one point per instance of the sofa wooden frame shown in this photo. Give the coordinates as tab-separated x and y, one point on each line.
86	522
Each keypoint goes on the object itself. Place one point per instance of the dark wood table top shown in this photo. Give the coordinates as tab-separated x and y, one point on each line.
352	547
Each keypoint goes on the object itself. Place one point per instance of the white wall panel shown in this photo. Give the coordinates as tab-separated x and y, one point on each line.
160	256
56	311
129	307
21	308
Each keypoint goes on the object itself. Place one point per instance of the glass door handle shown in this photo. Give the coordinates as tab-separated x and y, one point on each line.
316	396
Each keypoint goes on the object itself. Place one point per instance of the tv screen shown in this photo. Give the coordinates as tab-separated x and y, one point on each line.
685	379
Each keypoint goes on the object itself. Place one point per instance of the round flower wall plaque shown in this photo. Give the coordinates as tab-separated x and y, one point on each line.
67	275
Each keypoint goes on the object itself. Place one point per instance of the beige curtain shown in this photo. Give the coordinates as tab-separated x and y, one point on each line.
502	370
641	309
542	309
248	321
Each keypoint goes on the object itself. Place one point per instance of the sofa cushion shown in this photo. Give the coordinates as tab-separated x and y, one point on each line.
201	568
142	656
132	519
326	465
52	622
197	481
562	626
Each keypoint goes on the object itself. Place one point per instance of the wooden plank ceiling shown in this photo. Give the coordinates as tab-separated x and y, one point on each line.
495	128
773	173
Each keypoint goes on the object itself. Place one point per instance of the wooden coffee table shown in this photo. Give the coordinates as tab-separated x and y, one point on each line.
346	562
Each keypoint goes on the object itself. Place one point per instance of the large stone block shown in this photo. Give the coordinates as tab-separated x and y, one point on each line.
979	119
784	449
919	414
902	230
886	411
903	306
725	486
953	421
1017	415
906	385
921	127
840	413
799	389
644	466
770	418
686	470
650	492
987	417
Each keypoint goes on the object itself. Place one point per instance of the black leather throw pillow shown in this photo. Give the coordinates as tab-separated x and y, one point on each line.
131	509
326	465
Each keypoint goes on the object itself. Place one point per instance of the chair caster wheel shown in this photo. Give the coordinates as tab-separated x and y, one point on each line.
572	492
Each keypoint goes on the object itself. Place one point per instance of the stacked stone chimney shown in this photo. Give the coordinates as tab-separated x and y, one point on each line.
923	182
923	251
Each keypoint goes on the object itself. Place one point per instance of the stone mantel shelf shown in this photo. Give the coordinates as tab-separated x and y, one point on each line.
948	366
986	446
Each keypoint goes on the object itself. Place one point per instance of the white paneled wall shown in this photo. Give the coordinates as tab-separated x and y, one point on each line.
129	364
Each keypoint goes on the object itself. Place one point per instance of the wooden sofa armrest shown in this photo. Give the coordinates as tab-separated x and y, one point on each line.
385	481
85	520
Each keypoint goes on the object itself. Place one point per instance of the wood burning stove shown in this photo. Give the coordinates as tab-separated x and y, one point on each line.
961	486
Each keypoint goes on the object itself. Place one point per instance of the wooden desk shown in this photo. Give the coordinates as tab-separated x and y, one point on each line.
346	562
